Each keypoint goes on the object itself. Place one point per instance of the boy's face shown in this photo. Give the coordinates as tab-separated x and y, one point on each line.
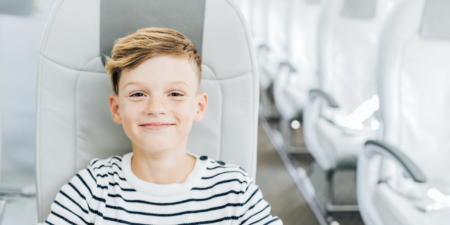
157	103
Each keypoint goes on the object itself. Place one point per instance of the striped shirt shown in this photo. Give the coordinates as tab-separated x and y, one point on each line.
107	192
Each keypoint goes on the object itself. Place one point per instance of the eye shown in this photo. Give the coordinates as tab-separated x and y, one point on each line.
138	94
175	94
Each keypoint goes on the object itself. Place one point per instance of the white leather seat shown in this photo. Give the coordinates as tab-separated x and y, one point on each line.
403	179
73	119
273	51
339	116
299	74
291	88
258	21
246	7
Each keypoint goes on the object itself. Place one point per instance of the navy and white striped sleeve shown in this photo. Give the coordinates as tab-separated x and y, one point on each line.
77	201
256	210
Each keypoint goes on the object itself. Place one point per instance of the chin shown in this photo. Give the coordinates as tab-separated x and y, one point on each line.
158	145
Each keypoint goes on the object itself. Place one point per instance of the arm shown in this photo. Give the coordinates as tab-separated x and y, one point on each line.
314	93
255	209
373	147
71	205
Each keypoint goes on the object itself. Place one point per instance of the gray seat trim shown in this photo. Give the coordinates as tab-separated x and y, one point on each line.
436	17
359	9
313	2
374	147
16	7
119	18
314	93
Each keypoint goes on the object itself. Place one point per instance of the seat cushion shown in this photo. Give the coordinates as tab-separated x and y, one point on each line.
396	209
341	146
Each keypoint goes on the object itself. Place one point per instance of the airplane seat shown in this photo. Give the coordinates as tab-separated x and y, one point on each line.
74	124
272	52
255	11
339	116
258	25
246	8
298	74
257	18
402	178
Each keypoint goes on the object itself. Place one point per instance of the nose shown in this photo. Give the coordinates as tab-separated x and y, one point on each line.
156	106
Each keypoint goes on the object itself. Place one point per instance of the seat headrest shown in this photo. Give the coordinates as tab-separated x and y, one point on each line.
119	18
436	19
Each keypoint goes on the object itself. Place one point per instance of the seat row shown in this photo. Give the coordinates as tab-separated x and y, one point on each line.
369	82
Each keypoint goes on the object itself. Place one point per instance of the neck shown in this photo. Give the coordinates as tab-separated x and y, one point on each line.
162	167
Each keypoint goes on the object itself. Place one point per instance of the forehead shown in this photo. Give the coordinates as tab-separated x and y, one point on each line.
161	69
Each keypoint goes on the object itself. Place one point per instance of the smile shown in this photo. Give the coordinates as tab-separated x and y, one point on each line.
156	126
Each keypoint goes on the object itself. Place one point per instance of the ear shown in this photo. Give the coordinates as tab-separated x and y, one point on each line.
114	107
202	106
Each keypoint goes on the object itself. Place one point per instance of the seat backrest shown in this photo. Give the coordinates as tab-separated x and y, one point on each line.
258	20
302	40
277	26
269	20
73	119
414	85
274	41
349	36
246	7
297	74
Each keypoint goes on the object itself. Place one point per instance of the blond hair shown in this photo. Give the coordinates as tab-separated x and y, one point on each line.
130	51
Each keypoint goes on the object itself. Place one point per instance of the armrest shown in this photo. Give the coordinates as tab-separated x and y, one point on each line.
288	65
314	93
373	147
263	47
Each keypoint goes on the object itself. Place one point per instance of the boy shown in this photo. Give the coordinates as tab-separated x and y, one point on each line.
155	74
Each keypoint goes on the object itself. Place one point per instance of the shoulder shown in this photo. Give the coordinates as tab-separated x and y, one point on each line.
87	190
113	162
95	177
218	166
220	171
100	171
105	166
105	169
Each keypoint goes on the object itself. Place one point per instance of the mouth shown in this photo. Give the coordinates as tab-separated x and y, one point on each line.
156	126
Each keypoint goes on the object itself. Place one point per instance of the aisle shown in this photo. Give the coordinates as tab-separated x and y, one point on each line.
278	187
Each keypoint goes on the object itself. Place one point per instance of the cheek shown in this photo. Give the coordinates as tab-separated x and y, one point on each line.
185	111
129	113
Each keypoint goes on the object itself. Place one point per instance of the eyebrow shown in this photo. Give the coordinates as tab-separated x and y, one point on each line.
138	83
179	82
131	83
